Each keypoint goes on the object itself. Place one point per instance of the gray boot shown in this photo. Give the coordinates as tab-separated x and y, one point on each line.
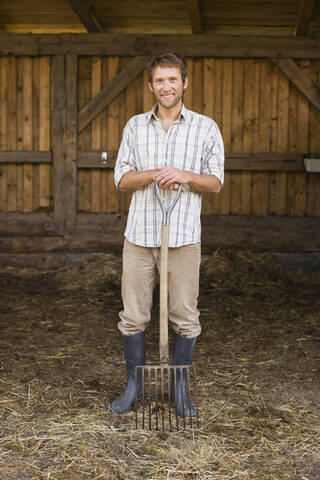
134	354
183	355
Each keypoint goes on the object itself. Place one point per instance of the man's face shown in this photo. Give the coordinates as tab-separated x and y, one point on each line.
167	86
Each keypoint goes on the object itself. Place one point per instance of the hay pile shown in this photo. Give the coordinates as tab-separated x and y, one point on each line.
258	377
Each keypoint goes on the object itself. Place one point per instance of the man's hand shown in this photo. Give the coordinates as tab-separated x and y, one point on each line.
169	178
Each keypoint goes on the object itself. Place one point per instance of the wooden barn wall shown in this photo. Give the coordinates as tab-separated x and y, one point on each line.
25	125
257	110
255	106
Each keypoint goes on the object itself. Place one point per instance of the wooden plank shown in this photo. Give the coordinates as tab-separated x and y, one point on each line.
30	244
12	134
301	146
217	115
85	12
35	127
208	106
260	180
96	136
33	224
19	143
69	185
298	77
304	17
195	16
236	132
18	156
265	119
44	131
198	89
196	45
273	133
4	66
107	94
27	133
282	143
226	130
84	138
292	147
113	137
248	119
59	122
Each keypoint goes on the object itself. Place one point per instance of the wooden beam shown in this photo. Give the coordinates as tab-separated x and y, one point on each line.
264	161
203	45
70	183
93	159
86	15
30	244
233	161
65	138
107	94
195	16
298	77
20	156
33	224
304	17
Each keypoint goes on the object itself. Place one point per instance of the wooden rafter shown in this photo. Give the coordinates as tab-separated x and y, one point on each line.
108	93
298	77
86	15
204	45
305	14
195	16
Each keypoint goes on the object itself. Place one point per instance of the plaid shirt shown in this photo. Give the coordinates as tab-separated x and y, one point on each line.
193	143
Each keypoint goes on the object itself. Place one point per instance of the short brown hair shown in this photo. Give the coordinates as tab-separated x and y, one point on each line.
169	59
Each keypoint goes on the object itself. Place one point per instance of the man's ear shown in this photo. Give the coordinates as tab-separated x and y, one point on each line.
150	87
186	83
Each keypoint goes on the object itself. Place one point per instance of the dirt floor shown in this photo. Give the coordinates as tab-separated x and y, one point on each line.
258	376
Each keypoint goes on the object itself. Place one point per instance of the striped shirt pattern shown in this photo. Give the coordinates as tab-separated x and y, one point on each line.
194	143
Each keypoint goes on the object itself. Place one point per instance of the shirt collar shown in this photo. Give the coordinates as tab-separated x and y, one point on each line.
152	115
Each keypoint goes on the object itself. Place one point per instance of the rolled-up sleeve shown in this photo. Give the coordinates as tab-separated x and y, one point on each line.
213	154
126	159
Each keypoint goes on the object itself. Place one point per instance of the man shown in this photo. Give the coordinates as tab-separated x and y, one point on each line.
172	146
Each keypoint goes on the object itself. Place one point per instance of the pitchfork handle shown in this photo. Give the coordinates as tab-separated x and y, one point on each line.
165	230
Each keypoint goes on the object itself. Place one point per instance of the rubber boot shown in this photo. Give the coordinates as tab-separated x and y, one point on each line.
134	354
183	355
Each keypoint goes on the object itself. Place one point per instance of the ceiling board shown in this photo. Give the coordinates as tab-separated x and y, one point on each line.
258	17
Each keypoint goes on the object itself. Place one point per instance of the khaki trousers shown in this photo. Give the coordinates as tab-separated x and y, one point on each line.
138	281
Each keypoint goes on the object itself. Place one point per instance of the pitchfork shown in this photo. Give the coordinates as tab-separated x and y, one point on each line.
159	382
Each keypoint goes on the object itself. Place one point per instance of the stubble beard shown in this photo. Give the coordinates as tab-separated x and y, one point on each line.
178	98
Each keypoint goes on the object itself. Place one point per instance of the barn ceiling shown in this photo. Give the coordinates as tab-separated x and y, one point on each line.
259	17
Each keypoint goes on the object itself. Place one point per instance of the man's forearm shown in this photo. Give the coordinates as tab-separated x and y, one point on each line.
204	183
133	180
200	182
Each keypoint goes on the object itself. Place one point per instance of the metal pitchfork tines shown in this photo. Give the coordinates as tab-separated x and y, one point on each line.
157	385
